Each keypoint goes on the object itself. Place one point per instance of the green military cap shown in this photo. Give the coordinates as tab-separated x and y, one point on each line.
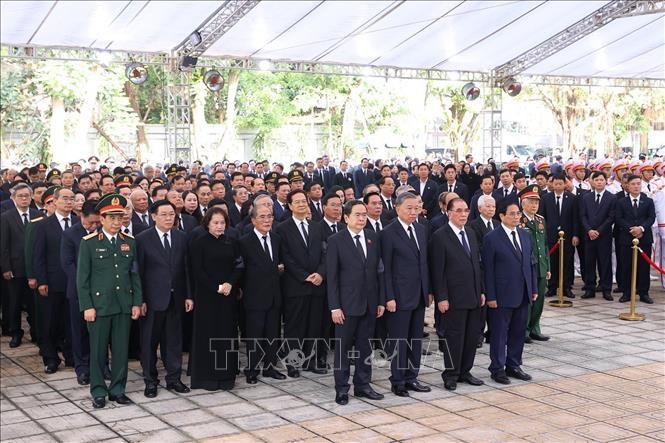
53	173
47	196
172	170
531	191
295	175
272	177
112	204
42	166
122	181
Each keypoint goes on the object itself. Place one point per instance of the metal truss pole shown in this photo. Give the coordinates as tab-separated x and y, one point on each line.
492	123
177	98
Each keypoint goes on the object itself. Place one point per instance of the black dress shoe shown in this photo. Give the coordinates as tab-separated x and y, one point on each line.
273	373
646	299
618	291
150	391
425	334
528	340
98	402
177	386
83	379
316	369
501	378
539	337
368	393
607	295
568	293
341	398
588	294
121	399
400	391
624	299
251	379
518	373
16	340
293	372
470	379
550	294
417	387
51	368
450	385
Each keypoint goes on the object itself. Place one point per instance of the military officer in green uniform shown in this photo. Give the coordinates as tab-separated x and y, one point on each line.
535	224
110	297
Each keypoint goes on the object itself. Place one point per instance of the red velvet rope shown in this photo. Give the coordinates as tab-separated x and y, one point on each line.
554	248
651	262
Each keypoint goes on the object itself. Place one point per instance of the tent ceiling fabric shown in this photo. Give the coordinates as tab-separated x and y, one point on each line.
446	35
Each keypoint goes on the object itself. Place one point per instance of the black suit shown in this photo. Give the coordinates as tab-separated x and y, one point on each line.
316	215
430	195
165	283
627	217
303	301
500	198
457	279
407	283
325	177
187	221
12	258
568	221
234	214
48	271
354	286
343	179
137	220
262	299
473	206
362	178
458	188
480	229
598	217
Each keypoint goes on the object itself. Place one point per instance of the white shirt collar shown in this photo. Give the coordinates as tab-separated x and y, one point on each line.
406	227
508	232
260	236
108	236
485	220
161	233
297	222
456	230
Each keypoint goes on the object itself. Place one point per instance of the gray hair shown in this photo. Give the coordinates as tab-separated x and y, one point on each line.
404	196
254	209
402	189
17	187
485	199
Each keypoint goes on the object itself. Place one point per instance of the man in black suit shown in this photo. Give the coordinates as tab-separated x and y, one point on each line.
303	293
140	205
404	255
262	297
323	175
69	252
457	284
597	216
240	194
387	187
635	214
344	176
561	212
486	188
314	194
452	185
52	282
485	222
280	206
355	298
161	253
362	177
507	192
376	217
12	260
427	189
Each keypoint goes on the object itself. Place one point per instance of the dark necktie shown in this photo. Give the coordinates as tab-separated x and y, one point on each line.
126	231
390	205
579	189
66	220
204	211
649	186
167	244
450	188
360	247
265	246
558	204
318	207
113	242
304	232
333	228
517	245
465	244
377	226
597	199
25	219
489	225
635	205
145	219
505	193
412	238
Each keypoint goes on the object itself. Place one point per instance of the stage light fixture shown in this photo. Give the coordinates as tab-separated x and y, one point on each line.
470	91
187	62
213	80
195	38
136	73
511	86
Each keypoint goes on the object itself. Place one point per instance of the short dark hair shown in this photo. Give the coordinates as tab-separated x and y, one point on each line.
486	177
289	197
543	173
503	170
518	176
596	174
632	177
424	164
156	189
348	206
205	221
558	177
324	200
36	185
89	207
235	174
504	205
368	195
156	205
217	201
449	166
89	192
452	202
280	184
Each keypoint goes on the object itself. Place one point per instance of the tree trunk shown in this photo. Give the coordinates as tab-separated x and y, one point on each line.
200	139
228	139
108	138
142	144
57	132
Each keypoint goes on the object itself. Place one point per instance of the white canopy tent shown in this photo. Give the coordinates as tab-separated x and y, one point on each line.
474	36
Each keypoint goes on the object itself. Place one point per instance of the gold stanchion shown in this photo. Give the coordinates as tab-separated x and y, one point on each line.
632	315
561	303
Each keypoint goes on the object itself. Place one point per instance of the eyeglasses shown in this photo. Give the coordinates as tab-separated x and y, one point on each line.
67	199
462	211
513	214
265	217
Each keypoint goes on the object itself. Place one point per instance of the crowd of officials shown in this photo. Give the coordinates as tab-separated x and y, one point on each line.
112	263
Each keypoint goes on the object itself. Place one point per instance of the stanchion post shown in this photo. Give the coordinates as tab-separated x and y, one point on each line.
632	315
560	302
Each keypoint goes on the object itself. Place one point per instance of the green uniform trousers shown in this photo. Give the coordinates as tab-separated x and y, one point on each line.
536	309
103	331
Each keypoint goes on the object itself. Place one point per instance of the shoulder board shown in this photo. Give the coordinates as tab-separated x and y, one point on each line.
539	217
36	219
123	235
89	236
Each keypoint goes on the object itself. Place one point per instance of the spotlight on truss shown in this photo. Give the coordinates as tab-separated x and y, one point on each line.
511	86
213	80
195	38
470	91
136	73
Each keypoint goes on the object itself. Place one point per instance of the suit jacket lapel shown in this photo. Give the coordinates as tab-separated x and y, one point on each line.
456	241
353	247
511	245
18	219
405	237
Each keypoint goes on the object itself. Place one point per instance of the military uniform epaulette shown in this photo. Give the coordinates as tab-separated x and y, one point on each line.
122	236
36	219
539	217
89	236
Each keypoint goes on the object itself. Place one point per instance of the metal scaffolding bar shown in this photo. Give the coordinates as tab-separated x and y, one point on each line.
177	98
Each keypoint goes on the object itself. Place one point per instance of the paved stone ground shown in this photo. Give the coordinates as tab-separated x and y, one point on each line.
598	379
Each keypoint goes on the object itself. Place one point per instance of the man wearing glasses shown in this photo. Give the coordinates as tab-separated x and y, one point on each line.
510	286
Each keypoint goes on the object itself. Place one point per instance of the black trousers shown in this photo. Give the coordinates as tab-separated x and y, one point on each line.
303	327
461	337
568	265
598	253
55	329
643	281
405	332
162	328
80	338
19	296
356	331
263	327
